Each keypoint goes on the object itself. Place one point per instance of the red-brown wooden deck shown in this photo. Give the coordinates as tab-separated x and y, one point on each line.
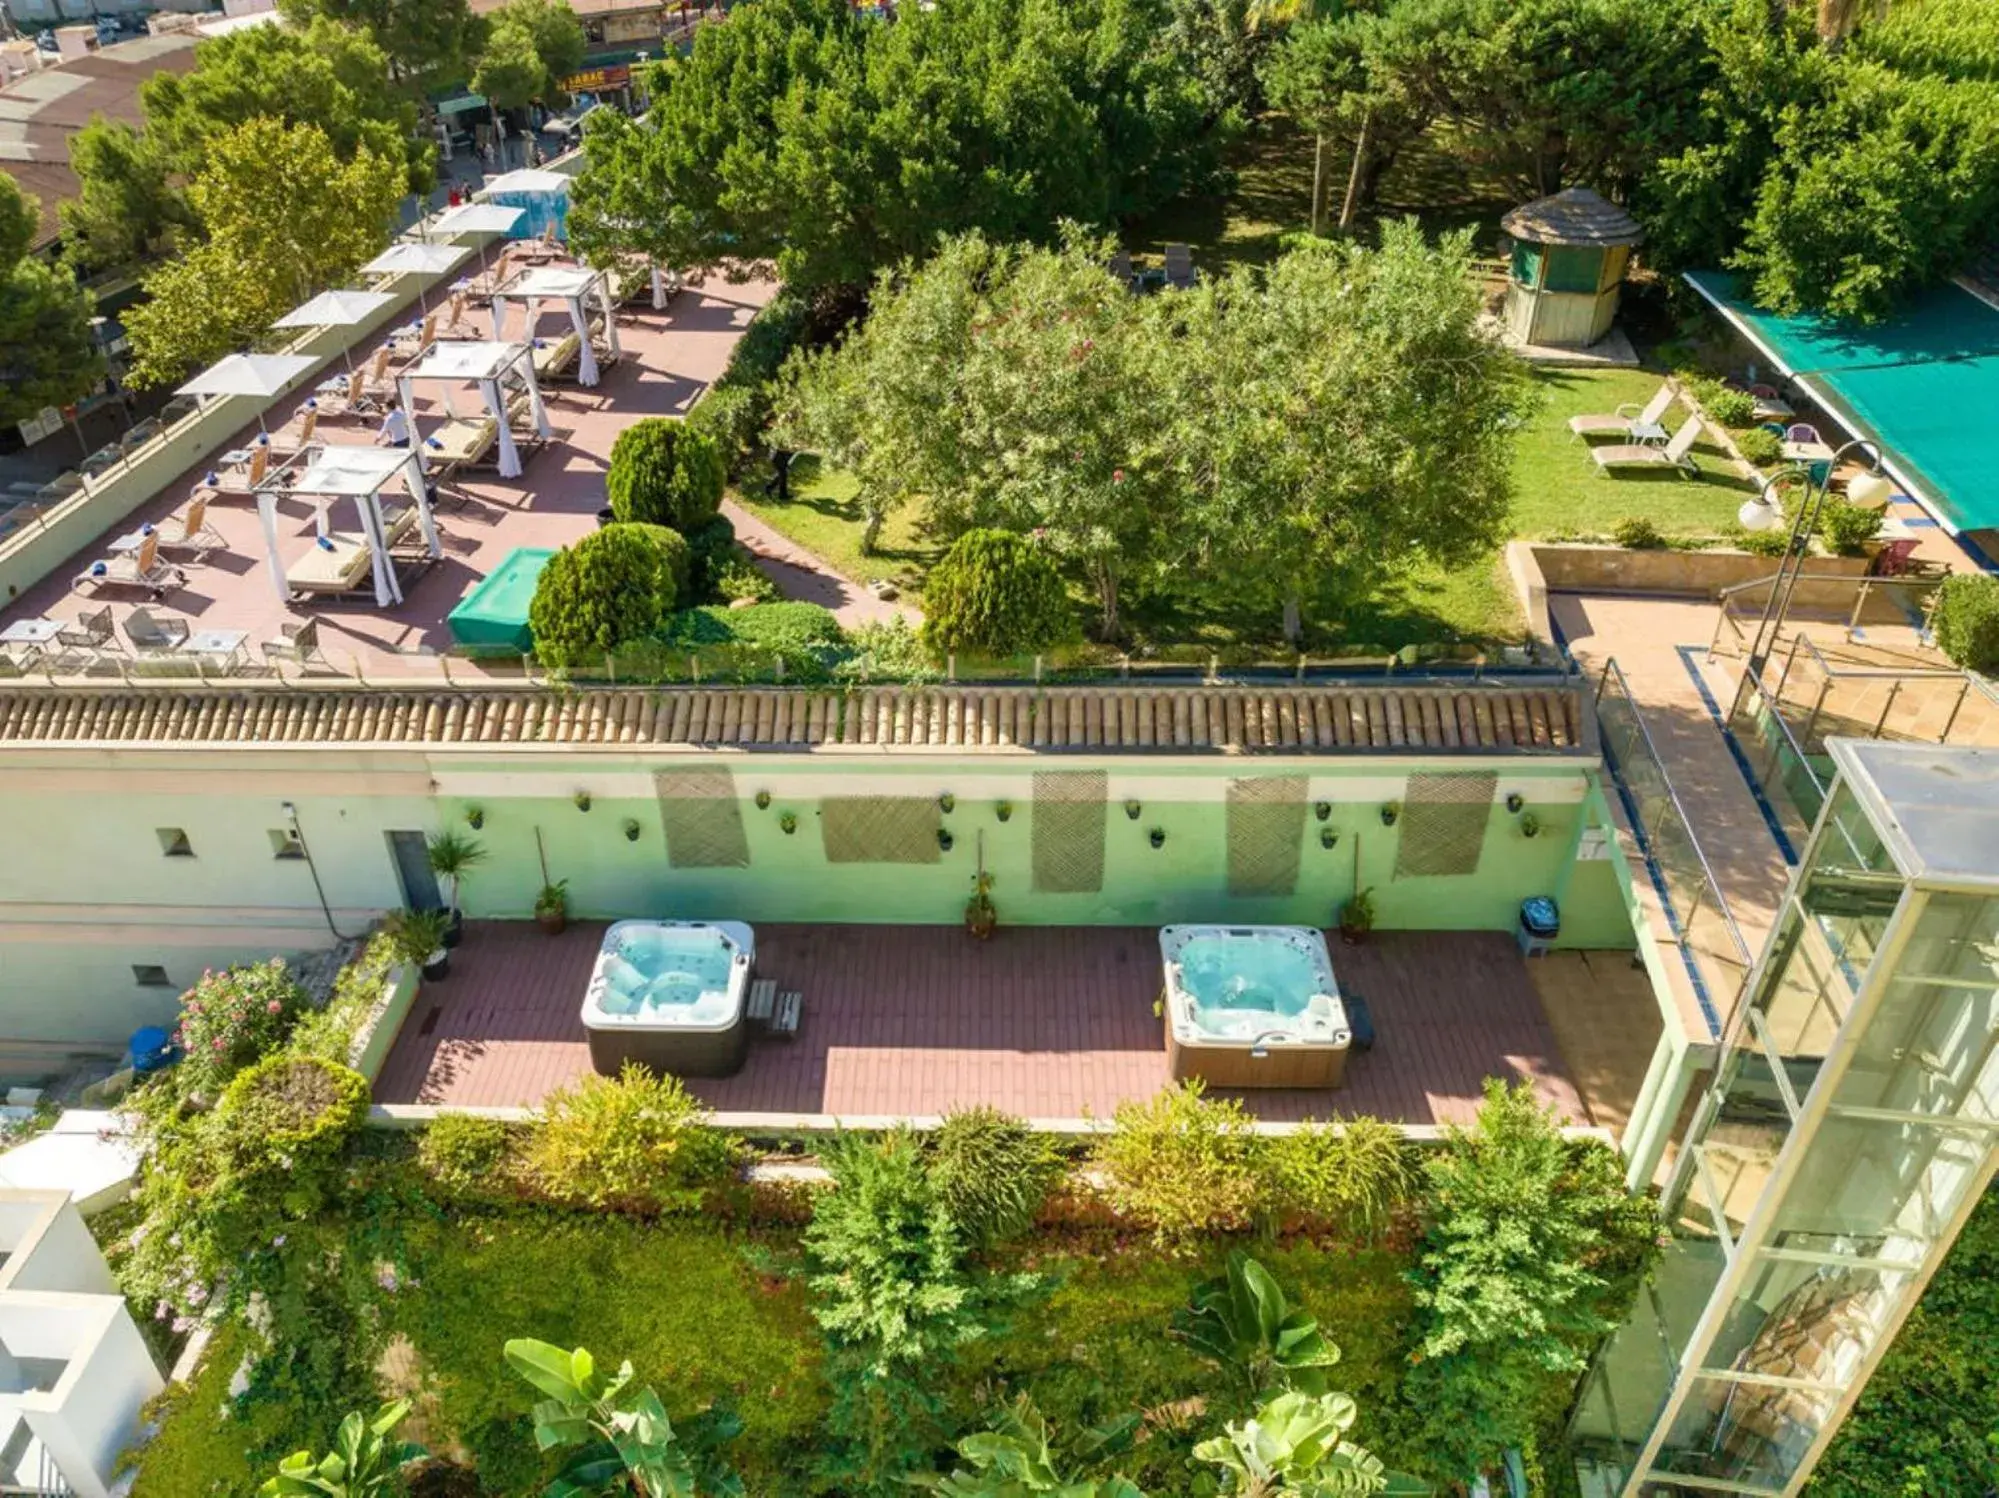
1046	1022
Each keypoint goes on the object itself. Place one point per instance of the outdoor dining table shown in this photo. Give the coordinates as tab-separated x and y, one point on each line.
1807	452
223	646
129	542
32	634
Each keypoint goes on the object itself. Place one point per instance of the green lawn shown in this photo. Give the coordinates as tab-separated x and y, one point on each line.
1558	491
1272	197
823	516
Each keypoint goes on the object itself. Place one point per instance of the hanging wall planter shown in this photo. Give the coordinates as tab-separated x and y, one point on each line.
1157	837
582	800
631	830
1322	809
1390	810
1530	825
1004	811
1514	801
944	839
1329	837
763	800
475	817
787	823
1132	809
947	803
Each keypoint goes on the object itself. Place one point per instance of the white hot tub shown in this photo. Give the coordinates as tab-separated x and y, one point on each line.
1253	1006
671	995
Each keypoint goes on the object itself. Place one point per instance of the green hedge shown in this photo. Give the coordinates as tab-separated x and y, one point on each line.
737	407
1967	621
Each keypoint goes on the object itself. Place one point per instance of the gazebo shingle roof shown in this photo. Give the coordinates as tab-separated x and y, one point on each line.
1574	216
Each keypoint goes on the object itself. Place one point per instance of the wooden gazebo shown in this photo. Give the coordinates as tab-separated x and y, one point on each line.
1569	257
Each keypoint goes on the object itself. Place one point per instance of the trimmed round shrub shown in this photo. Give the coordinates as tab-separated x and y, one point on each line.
612	587
290	1118
1181	1166
1966	621
230	1018
666	472
992	1173
995	592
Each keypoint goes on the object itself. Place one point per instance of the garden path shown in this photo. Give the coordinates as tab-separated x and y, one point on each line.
809	578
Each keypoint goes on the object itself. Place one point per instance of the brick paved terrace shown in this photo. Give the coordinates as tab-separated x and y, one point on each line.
1046	1022
669	358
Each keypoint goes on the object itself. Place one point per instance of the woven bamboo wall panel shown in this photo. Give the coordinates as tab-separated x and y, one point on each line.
1068	831
1444	818
879	829
1266	830
704	825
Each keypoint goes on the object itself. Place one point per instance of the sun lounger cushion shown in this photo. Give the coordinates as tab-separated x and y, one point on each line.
554	358
335	569
463	439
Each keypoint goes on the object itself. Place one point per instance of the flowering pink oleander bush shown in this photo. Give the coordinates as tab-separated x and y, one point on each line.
231	1018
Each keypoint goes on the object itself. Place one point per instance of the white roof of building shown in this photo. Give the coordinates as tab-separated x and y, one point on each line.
465	360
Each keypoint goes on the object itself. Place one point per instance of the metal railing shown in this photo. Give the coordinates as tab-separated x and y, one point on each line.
1703	926
1857	600
1807	692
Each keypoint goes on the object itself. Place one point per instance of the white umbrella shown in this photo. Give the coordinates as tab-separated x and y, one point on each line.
264	375
478	218
337	309
414	259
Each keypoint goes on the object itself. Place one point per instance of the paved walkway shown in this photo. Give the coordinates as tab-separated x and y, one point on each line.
1645	635
809	578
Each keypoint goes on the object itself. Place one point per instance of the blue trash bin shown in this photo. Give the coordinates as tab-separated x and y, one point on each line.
152	1049
1540	923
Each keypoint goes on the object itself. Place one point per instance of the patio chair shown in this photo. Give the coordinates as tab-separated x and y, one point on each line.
297	643
82	646
1120	269
308	426
1626	417
139	569
155	634
1179	266
1802	431
190	530
1678	453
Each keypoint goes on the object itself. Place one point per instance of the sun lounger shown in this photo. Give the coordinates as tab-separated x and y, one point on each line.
557	359
190	530
1679	453
461	442
1627	417
135	569
1179	266
340	564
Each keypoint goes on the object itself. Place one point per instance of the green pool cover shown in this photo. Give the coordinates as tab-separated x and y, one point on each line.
494	615
1924	385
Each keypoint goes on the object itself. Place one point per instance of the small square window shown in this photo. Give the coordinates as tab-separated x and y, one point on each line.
174	843
148	975
285	843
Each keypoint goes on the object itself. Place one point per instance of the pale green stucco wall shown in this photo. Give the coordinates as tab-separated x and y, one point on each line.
96	895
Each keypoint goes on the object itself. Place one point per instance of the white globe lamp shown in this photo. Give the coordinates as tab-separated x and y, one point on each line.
1759	514
1870	491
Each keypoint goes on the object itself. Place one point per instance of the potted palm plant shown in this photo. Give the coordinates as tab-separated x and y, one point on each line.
551	907
980	914
419	939
452	856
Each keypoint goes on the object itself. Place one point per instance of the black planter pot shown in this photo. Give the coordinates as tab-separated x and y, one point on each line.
438	968
606	516
454	933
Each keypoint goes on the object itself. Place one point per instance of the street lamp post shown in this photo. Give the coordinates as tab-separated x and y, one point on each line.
1785	581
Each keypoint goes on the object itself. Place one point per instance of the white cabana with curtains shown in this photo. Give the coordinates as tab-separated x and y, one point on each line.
494	368
361	474
577	288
